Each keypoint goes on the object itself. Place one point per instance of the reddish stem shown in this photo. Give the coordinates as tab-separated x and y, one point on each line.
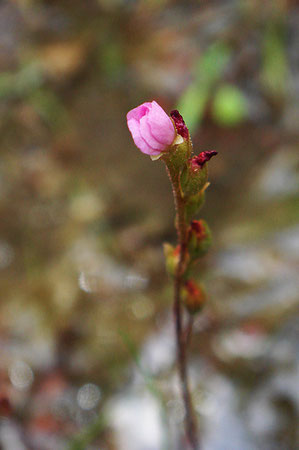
188	332
190	422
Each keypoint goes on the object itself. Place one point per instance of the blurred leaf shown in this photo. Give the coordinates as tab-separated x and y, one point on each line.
229	106
111	59
29	78
192	104
19	84
49	107
208	70
274	69
212	63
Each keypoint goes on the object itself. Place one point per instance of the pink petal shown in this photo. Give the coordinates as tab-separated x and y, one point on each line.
134	128
161	125
146	133
138	112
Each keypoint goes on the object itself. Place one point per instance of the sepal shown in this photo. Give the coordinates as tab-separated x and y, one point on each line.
194	297
195	175
199	239
172	255
178	156
193	180
156	157
195	203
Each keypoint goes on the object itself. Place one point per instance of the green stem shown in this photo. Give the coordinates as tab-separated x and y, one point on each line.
190	422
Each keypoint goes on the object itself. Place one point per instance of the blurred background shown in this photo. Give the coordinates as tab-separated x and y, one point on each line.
87	348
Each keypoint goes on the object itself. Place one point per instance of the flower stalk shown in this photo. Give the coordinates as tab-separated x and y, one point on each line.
167	138
190	422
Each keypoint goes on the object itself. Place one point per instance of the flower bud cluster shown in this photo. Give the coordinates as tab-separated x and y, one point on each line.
151	128
168	138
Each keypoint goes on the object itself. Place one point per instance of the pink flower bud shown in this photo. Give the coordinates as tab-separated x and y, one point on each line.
151	128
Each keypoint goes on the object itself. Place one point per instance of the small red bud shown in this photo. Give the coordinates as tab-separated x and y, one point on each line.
194	296
197	162
199	238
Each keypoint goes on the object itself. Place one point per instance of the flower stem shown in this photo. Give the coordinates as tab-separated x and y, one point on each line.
188	332
190	422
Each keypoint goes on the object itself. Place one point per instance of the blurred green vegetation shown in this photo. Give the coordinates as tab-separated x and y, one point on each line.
207	72
275	65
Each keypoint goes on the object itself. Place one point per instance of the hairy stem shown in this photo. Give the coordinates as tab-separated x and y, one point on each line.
190	422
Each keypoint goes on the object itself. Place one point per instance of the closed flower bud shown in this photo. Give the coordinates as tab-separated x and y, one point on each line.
182	145
151	128
195	175
199	238
194	297
195	203
193	179
171	258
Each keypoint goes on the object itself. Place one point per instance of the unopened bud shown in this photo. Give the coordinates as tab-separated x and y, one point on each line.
195	203
172	256
193	179
199	238
151	128
182	146
195	175
194	296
